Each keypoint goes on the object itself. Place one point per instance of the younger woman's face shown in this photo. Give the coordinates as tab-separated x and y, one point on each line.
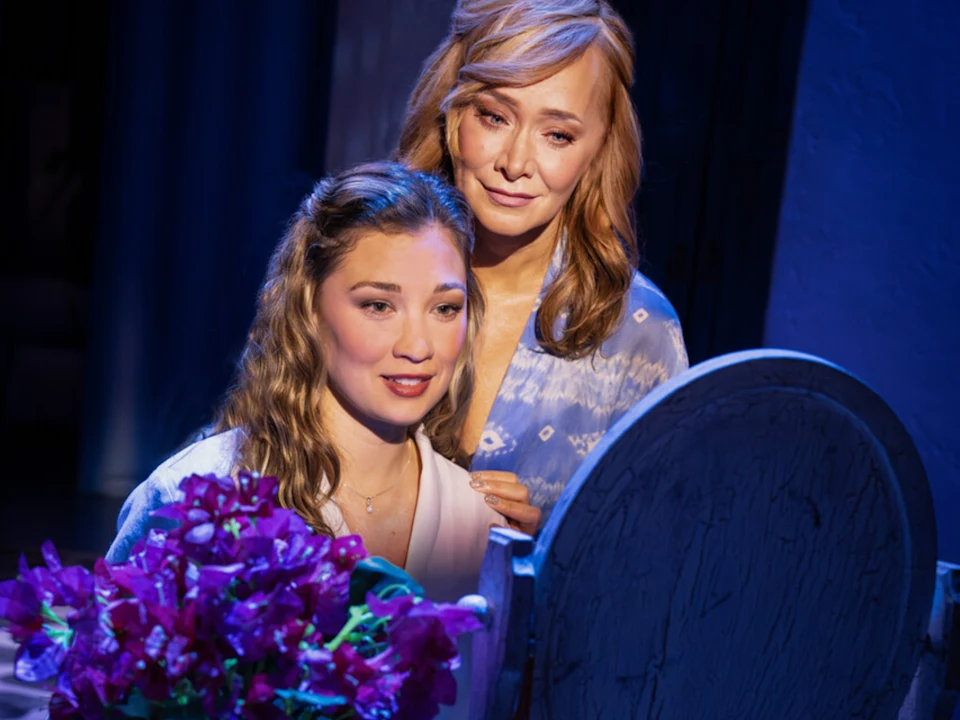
392	321
523	150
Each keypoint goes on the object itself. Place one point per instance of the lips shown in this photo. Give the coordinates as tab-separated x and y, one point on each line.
505	199
407	386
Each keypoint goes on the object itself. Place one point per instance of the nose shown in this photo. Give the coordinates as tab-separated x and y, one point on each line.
414	342
517	157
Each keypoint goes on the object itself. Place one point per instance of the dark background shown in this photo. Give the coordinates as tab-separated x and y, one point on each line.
800	189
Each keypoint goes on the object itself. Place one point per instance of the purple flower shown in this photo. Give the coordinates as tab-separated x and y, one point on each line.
258	704
378	697
64	706
346	552
37	659
20	605
238	610
420	629
52	586
422	646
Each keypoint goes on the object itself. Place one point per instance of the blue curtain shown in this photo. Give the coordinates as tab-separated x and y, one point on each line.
215	126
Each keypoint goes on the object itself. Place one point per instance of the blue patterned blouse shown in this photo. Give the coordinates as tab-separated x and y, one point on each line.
550	412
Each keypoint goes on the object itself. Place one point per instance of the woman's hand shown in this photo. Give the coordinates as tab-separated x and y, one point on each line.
504	493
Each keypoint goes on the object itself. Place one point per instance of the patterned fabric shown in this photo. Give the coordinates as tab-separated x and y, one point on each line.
549	412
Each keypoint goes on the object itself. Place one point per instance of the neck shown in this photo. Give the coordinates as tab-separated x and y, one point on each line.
373	456
511	265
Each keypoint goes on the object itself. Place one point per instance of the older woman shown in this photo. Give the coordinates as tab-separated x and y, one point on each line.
526	106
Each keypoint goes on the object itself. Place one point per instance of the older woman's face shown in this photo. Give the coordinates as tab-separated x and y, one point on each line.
523	150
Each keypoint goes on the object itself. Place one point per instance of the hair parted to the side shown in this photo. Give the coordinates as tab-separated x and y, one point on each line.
515	43
275	400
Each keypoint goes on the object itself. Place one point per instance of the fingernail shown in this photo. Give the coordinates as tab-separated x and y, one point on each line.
492	499
476	483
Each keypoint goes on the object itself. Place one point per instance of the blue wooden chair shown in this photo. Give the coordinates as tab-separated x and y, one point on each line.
755	539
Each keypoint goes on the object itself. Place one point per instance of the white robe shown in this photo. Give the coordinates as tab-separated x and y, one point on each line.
448	539
450	524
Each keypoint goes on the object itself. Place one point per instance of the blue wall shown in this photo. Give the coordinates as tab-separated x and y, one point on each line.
867	266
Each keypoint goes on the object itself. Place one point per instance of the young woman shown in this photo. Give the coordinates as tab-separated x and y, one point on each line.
355	379
526	106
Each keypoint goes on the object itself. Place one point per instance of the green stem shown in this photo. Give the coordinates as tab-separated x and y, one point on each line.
379	623
358	616
48	613
390	588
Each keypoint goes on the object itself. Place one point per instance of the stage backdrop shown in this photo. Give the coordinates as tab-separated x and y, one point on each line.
215	128
381	46
867	269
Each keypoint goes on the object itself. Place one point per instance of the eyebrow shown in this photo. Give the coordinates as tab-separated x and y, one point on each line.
394	288
547	112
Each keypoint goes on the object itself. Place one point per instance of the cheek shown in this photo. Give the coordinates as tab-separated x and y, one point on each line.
561	172
450	341
356	342
477	147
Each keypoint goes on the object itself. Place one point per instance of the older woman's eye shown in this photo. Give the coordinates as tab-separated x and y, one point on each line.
558	137
490	117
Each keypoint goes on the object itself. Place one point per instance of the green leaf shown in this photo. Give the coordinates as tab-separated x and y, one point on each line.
136	706
312	699
374	574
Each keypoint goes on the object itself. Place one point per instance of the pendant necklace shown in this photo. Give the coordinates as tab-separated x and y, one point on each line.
368	499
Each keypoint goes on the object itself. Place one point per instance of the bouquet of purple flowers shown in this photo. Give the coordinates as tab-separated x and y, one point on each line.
238	611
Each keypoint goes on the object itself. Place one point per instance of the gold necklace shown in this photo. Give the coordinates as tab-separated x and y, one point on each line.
368	499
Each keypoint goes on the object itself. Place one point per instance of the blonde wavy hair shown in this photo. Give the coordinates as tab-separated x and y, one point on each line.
515	43
281	374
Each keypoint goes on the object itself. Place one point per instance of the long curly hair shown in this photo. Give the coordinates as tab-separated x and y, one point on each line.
281	375
515	43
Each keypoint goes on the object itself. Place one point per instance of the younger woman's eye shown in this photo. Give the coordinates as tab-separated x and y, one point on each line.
375	307
449	310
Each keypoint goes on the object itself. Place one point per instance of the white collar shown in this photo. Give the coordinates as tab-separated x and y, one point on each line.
426	517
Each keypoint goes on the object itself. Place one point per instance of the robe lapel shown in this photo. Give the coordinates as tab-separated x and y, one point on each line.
427	516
